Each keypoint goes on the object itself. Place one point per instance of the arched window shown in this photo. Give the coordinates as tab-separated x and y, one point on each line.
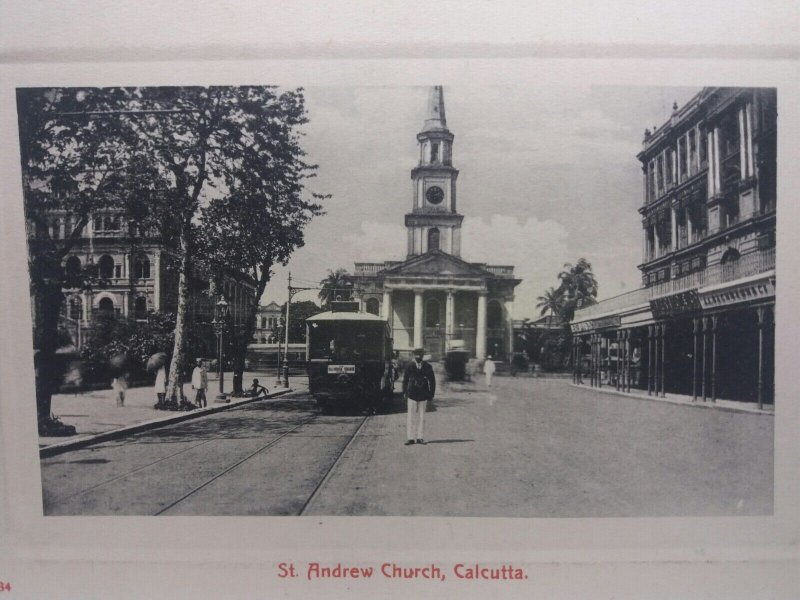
434	152
106	266
72	267
373	306
433	238
494	315
75	308
731	255
140	308
141	267
432	309
730	264
106	305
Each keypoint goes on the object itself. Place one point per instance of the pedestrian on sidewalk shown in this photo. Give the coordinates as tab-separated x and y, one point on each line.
200	384
119	384
419	386
160	387
257	390
488	370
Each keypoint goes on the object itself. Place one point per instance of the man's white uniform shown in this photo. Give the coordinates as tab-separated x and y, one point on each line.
488	371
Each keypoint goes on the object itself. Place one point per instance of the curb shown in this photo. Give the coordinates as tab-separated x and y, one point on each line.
62	447
708	405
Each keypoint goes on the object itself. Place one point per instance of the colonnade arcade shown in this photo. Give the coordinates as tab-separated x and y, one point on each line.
439	318
721	355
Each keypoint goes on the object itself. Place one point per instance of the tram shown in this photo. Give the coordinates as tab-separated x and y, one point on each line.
349	358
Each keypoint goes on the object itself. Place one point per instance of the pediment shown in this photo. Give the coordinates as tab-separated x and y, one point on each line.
439	263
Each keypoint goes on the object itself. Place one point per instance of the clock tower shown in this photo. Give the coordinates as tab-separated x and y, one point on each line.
434	223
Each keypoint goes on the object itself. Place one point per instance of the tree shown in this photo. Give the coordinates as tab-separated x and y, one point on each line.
298	314
552	301
338	285
578	286
72	166
259	221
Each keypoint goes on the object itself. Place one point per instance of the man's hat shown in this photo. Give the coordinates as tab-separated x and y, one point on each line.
419	351
198	360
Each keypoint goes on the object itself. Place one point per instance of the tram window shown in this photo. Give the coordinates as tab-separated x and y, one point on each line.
337	342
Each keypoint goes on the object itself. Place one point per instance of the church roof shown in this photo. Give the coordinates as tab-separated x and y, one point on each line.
440	264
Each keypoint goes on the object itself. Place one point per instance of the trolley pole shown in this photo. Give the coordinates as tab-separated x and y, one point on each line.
286	336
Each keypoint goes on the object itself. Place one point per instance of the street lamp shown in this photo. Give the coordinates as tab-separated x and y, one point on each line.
221	313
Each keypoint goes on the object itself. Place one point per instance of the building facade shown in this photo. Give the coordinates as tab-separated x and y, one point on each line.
434	298
136	275
702	324
267	322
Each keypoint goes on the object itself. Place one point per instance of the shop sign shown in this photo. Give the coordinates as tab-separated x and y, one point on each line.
676	304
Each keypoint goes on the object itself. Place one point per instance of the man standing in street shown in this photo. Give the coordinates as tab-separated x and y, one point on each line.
200	384
419	386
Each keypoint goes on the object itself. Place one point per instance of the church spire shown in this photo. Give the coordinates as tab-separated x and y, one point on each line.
436	120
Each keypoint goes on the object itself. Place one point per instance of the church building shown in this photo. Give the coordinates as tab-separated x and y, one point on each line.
434	298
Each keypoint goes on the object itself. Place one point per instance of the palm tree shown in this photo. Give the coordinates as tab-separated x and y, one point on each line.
578	286
338	285
552	301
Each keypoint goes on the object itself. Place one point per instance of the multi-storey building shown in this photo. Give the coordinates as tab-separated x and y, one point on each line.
703	322
267	323
136	274
434	298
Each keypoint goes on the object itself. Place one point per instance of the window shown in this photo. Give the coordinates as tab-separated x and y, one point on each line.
703	147
75	308
373	306
73	267
434	152
140	309
106	266
433	239
106	305
141	267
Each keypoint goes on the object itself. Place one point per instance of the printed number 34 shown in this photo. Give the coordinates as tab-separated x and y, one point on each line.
5	586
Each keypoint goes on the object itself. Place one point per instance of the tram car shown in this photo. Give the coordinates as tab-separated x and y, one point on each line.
349	358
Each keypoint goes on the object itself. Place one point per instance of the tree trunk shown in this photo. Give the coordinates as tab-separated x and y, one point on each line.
48	299
176	370
243	341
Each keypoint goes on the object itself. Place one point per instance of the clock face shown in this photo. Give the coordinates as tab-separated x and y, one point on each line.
434	194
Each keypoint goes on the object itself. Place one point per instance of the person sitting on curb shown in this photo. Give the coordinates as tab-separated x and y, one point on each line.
256	390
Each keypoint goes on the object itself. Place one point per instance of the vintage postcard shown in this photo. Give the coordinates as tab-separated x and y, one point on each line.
445	328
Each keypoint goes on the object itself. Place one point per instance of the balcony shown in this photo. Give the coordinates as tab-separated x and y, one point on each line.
751	264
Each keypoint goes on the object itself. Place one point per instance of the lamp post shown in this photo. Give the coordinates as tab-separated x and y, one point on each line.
221	314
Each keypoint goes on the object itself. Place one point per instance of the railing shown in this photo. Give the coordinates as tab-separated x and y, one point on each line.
369	268
500	269
746	266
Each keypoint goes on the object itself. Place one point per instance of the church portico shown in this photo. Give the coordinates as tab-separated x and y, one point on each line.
434	299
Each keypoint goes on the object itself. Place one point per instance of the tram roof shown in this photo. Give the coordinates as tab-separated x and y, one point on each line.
345	316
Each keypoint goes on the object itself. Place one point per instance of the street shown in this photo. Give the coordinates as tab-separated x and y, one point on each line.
524	448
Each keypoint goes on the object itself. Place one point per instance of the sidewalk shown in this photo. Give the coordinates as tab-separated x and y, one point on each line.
729	405
96	412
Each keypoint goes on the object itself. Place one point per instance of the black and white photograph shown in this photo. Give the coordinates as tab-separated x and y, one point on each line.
399	300
498	301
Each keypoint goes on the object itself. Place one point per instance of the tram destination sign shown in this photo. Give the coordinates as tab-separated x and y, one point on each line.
341	369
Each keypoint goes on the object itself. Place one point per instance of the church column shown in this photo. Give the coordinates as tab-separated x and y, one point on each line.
480	333
449	313
386	307
418	319
509	310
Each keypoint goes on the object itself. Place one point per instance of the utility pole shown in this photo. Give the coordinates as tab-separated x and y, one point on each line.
286	335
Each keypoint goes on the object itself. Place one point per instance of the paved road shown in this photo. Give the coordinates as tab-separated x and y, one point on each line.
525	448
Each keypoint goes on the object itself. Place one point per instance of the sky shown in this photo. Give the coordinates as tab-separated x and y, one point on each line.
548	175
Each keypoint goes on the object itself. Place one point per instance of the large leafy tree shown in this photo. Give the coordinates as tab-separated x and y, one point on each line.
259	221
578	286
337	285
72	166
298	313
